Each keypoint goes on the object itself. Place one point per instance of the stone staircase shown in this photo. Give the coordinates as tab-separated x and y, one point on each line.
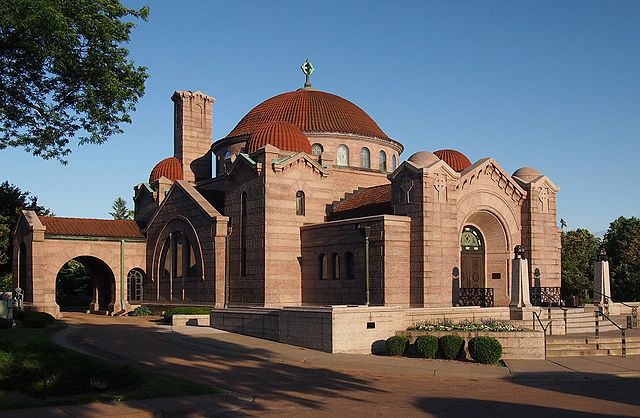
609	344
579	321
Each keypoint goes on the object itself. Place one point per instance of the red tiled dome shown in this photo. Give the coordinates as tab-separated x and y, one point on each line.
282	135
310	111
455	159
170	168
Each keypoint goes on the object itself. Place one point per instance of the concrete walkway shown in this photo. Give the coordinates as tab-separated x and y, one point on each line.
284	379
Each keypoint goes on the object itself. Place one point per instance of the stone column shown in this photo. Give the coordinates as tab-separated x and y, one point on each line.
520	283
601	280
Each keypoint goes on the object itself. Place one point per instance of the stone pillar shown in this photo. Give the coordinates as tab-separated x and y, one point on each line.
520	277
601	280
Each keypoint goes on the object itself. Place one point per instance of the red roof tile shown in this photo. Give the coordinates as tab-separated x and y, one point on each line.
310	111
84	227
281	135
170	168
371	201
455	159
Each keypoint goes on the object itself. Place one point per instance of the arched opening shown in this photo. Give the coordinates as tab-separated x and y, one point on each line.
300	203
365	158
485	258
471	258
180	269
135	282
317	150
382	160
85	283
342	156
394	162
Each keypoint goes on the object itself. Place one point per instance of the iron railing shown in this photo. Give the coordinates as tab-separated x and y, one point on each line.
623	331
543	296
544	329
634	309
476	296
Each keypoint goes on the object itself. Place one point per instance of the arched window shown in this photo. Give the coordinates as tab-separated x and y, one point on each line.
300	203
351	267
335	261
134	285
365	158
394	162
342	157
382	159
243	234
179	270
323	267
317	150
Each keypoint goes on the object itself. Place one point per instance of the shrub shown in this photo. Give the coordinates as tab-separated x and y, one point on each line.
451	346
397	345
185	310
34	319
6	323
427	346
6	362
140	311
485	350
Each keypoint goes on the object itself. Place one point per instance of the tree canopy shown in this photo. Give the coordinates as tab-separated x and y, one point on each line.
120	210
622	243
579	248
65	73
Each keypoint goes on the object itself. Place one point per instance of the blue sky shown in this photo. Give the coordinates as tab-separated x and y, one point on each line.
553	85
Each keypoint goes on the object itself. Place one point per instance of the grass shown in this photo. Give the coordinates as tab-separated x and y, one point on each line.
73	377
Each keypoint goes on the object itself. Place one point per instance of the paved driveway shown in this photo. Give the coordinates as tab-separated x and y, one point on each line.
291	380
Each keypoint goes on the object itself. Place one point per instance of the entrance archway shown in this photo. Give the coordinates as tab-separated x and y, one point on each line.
85	283
472	258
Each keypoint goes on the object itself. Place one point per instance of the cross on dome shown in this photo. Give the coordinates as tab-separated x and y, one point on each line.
307	69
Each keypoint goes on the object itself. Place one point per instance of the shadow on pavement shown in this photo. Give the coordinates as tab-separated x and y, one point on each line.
250	371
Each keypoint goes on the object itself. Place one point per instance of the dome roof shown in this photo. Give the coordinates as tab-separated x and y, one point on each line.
455	159
170	168
527	174
282	135
311	111
423	158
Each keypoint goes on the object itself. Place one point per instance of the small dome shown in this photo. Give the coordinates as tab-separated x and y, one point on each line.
281	135
423	158
527	174
170	168
455	159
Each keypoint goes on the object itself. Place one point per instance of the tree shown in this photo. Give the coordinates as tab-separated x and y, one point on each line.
579	248
65	73
12	201
120	210
622	243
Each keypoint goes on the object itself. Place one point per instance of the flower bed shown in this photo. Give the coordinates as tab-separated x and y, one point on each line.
489	325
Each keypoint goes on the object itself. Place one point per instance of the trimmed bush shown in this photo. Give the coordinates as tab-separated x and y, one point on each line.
427	346
34	319
140	311
485	350
185	310
397	345
451	346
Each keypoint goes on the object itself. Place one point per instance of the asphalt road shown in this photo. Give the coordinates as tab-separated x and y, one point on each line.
283	380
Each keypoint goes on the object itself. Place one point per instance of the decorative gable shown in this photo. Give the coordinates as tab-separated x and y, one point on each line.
490	168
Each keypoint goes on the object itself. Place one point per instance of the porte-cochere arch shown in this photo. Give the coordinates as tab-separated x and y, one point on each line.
111	247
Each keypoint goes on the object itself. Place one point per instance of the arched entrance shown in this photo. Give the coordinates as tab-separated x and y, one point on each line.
85	283
472	258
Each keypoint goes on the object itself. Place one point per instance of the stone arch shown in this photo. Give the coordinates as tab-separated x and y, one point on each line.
179	244
102	282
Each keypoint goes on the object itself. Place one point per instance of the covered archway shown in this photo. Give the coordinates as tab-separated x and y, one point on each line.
85	283
484	257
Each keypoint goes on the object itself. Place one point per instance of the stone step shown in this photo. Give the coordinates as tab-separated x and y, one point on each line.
577	353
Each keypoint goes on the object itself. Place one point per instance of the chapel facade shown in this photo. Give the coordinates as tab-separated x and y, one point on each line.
310	204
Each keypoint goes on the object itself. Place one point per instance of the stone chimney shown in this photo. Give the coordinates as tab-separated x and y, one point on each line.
192	138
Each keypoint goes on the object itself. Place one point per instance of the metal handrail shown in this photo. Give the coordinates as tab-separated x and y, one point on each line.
544	330
623	331
558	301
634	309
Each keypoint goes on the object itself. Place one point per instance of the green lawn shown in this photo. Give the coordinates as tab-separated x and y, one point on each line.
36	372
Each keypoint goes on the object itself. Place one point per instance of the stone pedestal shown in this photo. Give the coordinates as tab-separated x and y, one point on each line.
601	282
520	283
